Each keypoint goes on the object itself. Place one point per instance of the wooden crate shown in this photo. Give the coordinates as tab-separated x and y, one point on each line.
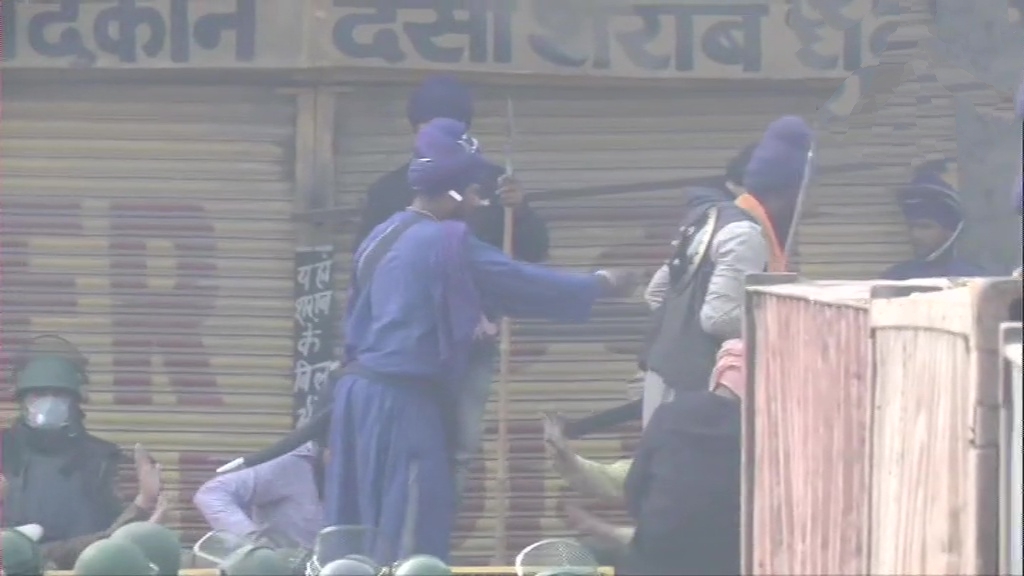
806	421
936	429
1011	511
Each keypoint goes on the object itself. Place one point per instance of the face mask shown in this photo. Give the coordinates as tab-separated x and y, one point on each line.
47	412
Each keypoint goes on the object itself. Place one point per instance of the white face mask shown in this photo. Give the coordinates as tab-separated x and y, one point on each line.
47	412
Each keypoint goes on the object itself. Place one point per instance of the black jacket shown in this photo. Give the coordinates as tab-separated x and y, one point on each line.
87	465
678	318
392	193
683	489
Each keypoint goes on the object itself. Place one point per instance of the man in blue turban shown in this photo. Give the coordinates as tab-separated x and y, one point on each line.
445	97
419	284
935	219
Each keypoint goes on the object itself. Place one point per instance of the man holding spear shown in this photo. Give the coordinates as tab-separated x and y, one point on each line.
419	284
505	221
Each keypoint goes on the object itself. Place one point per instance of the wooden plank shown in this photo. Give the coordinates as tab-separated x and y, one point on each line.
935	482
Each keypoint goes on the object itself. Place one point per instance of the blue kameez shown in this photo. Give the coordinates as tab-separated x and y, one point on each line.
409	333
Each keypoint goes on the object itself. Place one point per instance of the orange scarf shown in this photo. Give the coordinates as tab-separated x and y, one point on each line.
777	256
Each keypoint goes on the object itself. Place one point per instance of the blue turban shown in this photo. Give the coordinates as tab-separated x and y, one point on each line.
440	97
446	158
780	160
932	196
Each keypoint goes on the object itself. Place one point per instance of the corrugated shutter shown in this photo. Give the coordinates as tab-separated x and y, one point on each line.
150	225
908	114
852	227
567	139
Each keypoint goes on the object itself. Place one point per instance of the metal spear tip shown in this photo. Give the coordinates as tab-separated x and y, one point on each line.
235	464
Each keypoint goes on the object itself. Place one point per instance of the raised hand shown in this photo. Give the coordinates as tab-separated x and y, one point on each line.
147	473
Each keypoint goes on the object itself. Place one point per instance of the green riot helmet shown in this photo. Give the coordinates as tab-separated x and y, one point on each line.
161	545
48	389
49	345
113	558
421	565
19	554
257	561
350	566
49	373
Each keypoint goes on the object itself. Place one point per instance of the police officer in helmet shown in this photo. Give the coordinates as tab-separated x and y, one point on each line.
56	473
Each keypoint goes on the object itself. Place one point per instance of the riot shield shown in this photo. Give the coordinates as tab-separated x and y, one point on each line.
217	548
556	556
337	542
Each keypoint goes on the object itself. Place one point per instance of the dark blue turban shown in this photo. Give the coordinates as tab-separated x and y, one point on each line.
780	160
931	195
440	97
446	158
738	165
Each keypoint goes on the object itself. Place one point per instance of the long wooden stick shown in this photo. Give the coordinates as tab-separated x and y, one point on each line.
505	350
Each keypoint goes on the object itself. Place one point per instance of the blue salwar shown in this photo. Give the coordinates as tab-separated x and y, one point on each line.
408	335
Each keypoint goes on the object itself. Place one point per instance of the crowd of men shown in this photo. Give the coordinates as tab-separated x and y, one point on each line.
429	285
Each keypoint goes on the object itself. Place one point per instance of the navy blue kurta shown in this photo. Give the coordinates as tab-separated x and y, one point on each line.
409	334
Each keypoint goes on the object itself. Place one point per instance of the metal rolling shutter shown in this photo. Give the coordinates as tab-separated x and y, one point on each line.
570	138
853	227
151	226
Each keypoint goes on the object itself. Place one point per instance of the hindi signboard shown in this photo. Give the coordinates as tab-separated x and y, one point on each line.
315	326
644	39
628	38
153	33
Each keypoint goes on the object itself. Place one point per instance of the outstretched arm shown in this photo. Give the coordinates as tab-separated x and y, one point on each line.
530	240
523	290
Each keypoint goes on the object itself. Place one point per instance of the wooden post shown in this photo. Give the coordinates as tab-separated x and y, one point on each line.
505	350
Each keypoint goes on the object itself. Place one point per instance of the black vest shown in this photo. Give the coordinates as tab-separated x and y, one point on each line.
70	492
676	348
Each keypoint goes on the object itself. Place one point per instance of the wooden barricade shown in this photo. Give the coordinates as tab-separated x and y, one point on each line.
806	423
936	429
1011	490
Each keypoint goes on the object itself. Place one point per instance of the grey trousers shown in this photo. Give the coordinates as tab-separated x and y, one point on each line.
470	408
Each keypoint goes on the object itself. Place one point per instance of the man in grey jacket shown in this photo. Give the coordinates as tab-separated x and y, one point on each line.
701	287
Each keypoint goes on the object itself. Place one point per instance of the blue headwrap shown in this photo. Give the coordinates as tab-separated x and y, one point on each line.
440	97
932	195
780	160
446	158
